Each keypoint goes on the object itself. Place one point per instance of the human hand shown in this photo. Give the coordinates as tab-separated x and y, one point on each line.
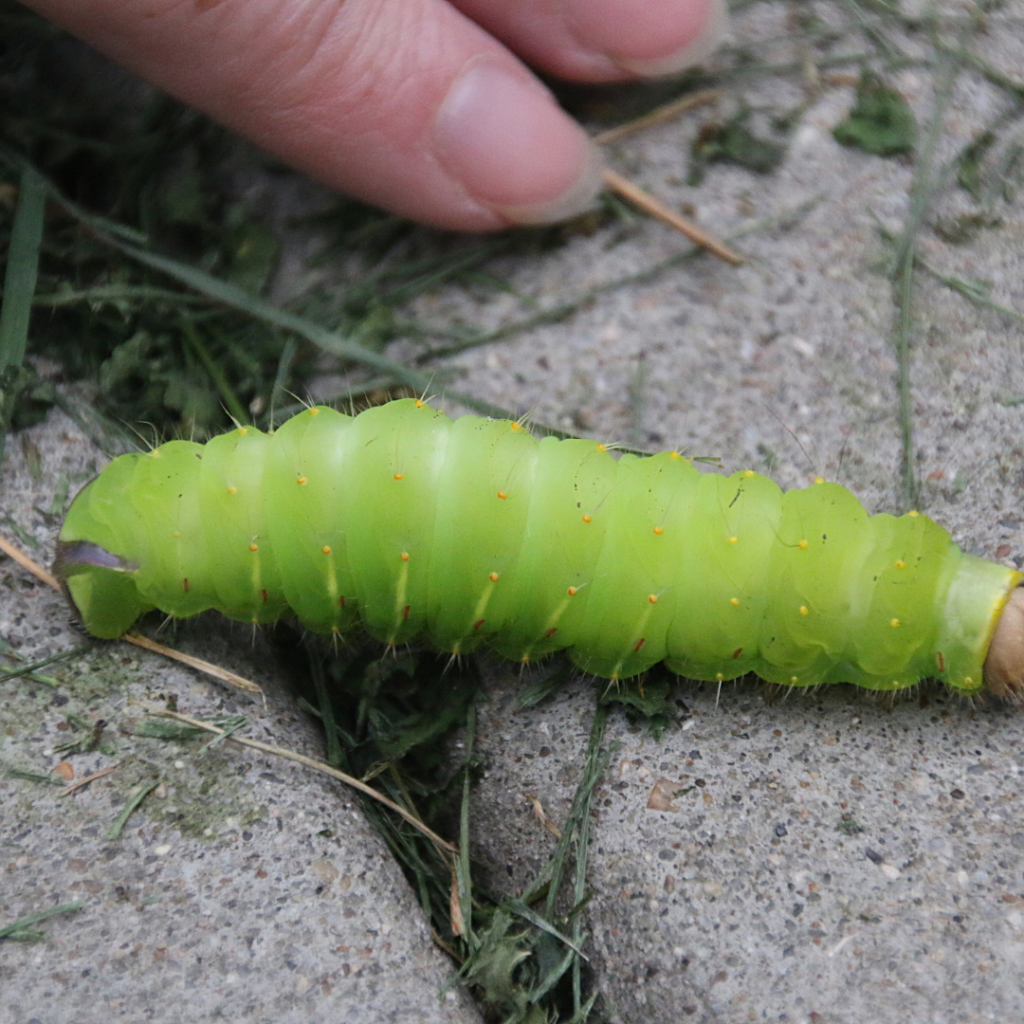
414	105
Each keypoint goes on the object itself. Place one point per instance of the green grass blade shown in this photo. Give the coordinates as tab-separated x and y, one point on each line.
129	808
22	268
22	924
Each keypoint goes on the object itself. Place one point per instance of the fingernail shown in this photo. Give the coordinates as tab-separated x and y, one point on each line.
649	37
501	134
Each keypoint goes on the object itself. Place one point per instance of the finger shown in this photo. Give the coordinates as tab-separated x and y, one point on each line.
604	40
404	103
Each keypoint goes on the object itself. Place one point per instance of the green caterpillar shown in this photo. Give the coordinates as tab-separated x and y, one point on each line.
473	532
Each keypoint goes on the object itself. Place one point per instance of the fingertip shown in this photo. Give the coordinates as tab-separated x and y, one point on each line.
661	37
501	135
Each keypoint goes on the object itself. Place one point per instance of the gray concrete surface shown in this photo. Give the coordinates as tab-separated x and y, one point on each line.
741	901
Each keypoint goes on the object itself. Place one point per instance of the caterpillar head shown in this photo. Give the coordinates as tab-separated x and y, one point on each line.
1004	666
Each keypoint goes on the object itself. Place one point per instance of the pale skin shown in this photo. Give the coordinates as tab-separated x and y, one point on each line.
425	107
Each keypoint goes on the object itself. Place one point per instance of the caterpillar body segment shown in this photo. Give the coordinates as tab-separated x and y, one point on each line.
473	533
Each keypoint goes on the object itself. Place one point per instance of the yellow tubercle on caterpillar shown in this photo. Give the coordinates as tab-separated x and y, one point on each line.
573	591
658	531
804	610
748	473
895	623
719	677
243	430
420	404
176	533
326	549
232	490
404	556
516	426
900	564
602	448
586	518
819	479
913	513
794	680
652	598
313	410
493	577
734	540
254	548
503	495
735	602
674	455
399	476
803	545
302	480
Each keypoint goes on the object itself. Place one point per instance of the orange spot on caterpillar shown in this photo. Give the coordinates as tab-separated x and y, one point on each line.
478	624
232	490
652	598
493	577
551	632
420	403
895	623
587	518
737	653
406	610
399	476
301	480
602	448
572	591
503	495
940	661
803	545
254	547
516	426
658	531
405	556
638	644
735	602
263	594
184	584
326	549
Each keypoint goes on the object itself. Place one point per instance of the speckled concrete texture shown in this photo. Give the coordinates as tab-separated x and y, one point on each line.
820	859
244	888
